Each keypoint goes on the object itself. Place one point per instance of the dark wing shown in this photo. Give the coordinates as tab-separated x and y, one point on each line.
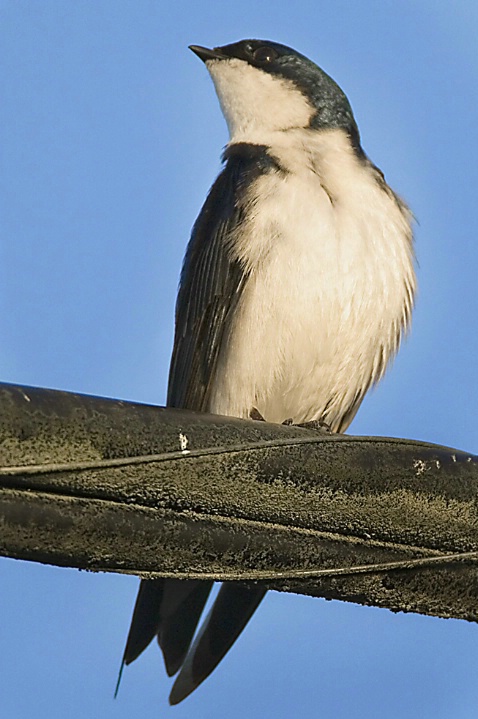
211	280
211	284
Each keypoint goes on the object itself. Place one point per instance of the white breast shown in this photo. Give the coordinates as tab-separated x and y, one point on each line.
330	290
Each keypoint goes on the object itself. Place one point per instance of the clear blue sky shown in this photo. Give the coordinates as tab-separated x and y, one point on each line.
110	137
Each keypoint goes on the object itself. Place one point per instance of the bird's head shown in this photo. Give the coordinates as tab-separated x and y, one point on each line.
265	87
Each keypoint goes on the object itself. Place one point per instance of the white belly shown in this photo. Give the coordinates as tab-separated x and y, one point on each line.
328	295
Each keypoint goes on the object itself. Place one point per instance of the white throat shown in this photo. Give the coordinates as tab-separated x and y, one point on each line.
255	103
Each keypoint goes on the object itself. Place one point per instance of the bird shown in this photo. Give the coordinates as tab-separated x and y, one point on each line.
297	286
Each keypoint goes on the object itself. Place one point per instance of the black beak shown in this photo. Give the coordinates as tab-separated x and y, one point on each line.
206	54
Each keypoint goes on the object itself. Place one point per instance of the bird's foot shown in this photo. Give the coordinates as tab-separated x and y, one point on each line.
256	415
316	425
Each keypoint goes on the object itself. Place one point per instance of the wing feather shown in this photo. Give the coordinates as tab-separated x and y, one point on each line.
212	279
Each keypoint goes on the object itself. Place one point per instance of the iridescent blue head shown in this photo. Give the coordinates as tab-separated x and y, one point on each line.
265	86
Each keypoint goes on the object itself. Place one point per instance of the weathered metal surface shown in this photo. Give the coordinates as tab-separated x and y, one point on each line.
103	484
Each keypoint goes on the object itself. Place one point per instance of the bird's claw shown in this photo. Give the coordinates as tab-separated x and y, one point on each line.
256	415
317	425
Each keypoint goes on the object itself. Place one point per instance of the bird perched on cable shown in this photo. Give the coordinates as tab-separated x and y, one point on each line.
296	288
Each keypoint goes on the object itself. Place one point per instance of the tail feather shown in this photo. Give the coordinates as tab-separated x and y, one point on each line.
171	609
146	618
228	616
183	604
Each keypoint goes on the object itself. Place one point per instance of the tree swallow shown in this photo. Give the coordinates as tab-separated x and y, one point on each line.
297	285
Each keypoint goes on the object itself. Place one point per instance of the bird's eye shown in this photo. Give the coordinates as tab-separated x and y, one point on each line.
264	54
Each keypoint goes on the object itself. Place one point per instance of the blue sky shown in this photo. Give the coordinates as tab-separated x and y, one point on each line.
110	138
